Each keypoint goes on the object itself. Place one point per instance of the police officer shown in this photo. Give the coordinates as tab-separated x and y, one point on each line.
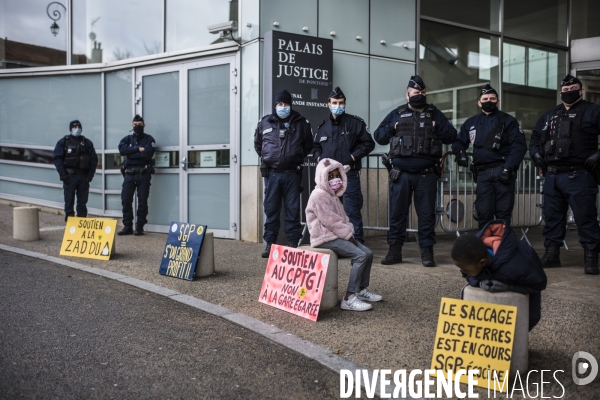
415	133
75	160
282	140
499	147
346	139
137	172
564	144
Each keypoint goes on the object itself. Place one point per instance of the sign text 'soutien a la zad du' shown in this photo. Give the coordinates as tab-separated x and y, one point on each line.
183	247
89	238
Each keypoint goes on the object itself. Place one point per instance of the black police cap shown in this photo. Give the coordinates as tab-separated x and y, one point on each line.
570	80
487	89
416	82
337	94
138	118
74	123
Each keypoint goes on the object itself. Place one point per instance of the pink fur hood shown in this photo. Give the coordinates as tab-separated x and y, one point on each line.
325	214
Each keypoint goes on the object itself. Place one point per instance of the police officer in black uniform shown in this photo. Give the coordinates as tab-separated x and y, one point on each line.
137	172
345	138
282	140
564	144
75	160
415	133
499	147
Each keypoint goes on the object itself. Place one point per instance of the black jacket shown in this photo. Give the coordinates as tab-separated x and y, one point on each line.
287	152
511	152
342	138
129	146
59	156
444	130
515	263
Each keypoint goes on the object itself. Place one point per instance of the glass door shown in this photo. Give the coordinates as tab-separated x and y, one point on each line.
591	84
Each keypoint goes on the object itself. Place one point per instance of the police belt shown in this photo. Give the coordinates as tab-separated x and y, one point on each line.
137	170
283	170
429	170
487	166
561	170
75	171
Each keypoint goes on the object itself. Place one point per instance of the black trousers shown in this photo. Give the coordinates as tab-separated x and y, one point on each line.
495	200
77	185
139	183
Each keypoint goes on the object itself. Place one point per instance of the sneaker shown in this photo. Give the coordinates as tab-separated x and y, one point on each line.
367	295
354	304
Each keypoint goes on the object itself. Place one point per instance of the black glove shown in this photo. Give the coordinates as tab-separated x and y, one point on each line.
461	159
65	178
486	284
504	176
539	161
90	178
498	286
593	161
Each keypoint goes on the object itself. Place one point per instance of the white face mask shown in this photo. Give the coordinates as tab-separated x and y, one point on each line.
76	131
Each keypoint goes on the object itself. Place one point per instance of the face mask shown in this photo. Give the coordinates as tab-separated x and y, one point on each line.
418	101
76	132
282	112
570	97
337	110
335	184
489	106
138	130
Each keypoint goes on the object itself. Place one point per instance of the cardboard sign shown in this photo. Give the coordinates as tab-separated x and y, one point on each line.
475	336
89	238
180	257
294	281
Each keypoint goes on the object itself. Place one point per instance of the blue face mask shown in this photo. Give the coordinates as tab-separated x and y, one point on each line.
76	132
282	112
337	110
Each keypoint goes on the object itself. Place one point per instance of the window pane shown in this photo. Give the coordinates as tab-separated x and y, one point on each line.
37	110
481	13
26	38
112	30
393	22
585	21
530	81
118	106
209	207
187	22
455	64
160	107
543	20
591	84
163	202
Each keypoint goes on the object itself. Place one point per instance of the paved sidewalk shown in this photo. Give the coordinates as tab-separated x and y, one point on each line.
399	332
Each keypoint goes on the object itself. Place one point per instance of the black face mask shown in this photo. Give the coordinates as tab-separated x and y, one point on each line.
570	97
489	106
138	130
418	101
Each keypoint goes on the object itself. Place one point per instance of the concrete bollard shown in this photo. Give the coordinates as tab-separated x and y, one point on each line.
329	299
206	260
26	223
520	353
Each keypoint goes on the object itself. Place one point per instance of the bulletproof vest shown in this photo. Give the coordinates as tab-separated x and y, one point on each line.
561	135
414	134
76	155
496	139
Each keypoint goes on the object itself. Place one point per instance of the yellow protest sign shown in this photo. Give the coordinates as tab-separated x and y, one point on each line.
89	238
475	336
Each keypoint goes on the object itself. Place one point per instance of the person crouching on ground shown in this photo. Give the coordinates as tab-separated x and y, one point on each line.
330	228
497	261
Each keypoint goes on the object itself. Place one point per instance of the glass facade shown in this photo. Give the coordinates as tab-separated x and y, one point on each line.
585	19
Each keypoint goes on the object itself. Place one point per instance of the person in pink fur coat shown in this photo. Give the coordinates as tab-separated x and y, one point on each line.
330	228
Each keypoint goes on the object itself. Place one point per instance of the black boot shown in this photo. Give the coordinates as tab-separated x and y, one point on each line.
591	261
293	243
427	256
394	255
265	254
139	230
127	230
551	258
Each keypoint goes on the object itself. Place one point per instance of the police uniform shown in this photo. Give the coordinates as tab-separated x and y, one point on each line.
282	144
415	152
341	139
75	160
498	149
137	173
563	143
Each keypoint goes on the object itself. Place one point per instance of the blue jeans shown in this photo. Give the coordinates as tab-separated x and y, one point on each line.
495	200
424	187
78	184
353	203
362	259
139	183
577	190
280	186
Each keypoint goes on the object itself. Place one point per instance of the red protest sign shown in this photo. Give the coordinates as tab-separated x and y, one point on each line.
294	281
